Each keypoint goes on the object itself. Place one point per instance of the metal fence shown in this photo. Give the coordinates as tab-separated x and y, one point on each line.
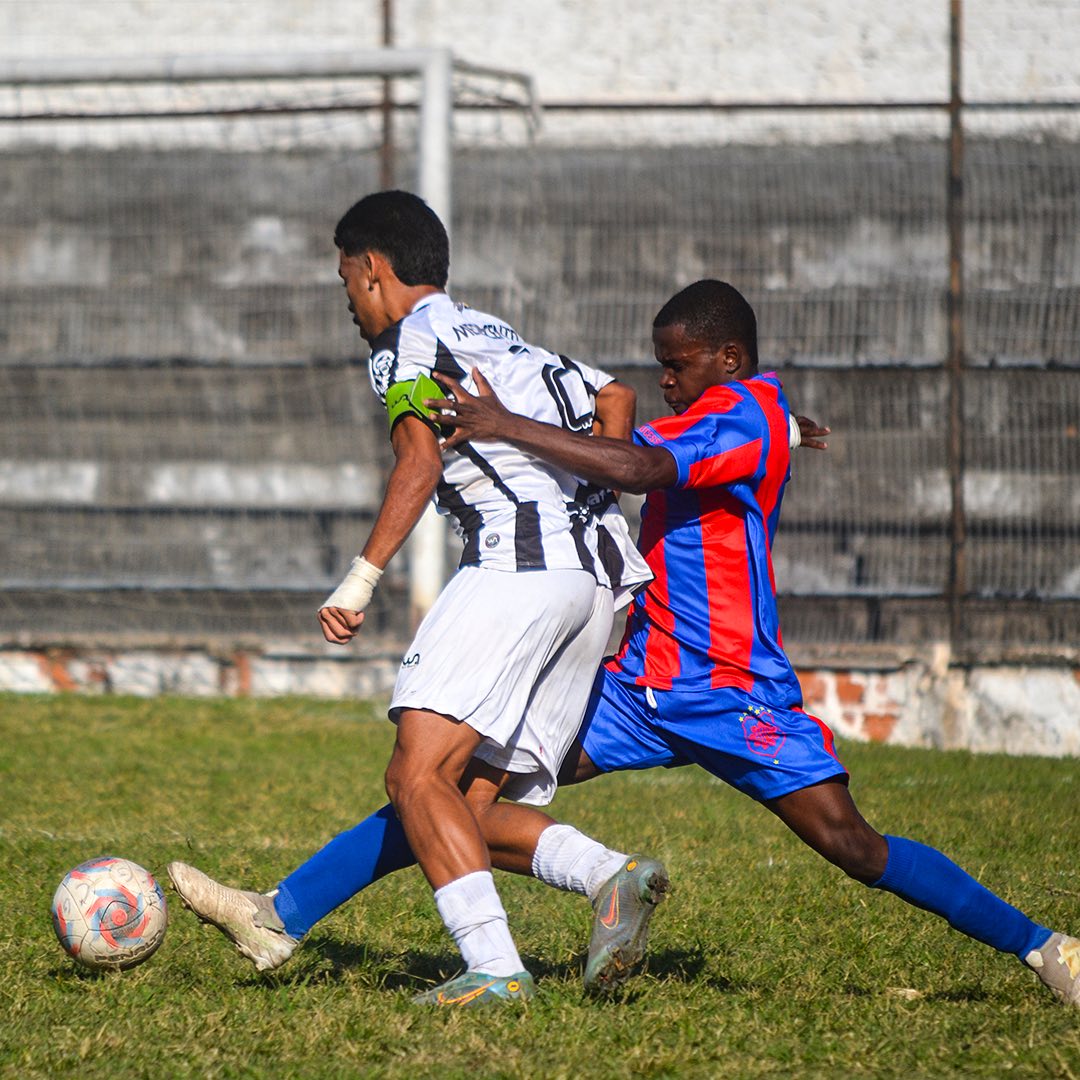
189	450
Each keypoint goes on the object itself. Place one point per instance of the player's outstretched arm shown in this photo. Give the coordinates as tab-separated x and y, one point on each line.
412	481
812	434
613	463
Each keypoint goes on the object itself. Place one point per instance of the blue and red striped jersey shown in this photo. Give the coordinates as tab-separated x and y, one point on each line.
709	617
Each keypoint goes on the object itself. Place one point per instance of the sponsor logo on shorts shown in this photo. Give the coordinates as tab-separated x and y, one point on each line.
410	661
763	735
492	540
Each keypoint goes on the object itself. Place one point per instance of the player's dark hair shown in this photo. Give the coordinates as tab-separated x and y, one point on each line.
714	313
401	227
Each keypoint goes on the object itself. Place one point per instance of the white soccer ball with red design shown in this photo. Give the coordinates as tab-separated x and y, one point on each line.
109	913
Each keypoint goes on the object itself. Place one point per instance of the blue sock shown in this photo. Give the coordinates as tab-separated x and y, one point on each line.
924	877
350	862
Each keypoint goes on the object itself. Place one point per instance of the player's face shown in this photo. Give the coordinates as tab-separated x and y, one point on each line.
355	274
689	366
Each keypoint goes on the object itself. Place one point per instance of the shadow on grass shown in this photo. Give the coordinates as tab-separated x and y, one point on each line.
75	970
334	962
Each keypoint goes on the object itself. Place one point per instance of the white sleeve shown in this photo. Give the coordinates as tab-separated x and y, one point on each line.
794	432
593	378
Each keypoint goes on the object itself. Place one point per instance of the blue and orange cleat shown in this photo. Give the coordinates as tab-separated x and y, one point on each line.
475	988
621	913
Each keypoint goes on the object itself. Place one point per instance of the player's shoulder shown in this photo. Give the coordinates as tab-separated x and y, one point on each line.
463	326
760	392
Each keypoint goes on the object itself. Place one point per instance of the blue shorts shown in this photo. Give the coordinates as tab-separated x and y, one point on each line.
762	750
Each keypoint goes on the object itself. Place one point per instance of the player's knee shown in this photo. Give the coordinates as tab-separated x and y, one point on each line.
399	780
860	852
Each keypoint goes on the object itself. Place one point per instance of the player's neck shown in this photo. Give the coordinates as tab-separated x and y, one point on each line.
405	297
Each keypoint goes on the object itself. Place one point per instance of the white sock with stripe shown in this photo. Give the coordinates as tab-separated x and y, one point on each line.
473	913
570	860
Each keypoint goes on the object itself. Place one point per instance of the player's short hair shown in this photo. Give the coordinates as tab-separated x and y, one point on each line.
714	313
402	228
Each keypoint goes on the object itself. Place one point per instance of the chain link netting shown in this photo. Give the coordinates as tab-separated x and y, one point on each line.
189	448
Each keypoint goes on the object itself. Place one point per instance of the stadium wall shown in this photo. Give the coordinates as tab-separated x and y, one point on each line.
823	51
273	228
603	50
904	699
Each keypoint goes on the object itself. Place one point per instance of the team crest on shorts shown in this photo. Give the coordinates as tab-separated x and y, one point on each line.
763	736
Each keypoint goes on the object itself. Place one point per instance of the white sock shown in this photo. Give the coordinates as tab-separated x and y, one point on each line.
473	913
570	860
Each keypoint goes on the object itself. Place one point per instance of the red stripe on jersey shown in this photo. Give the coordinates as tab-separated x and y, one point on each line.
727	581
779	458
717	399
778	462
661	649
735	464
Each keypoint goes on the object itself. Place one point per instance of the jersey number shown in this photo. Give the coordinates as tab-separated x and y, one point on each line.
571	398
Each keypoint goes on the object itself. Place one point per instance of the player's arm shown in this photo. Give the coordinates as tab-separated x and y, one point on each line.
614	411
612	463
413	479
808	433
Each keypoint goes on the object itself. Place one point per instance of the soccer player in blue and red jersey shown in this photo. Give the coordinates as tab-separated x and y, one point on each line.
701	676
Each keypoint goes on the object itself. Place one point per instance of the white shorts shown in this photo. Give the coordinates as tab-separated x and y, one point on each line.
513	655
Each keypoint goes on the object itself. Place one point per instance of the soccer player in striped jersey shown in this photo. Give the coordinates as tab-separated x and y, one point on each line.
492	689
702	677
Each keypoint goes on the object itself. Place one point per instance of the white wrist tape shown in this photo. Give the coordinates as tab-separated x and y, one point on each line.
794	432
354	592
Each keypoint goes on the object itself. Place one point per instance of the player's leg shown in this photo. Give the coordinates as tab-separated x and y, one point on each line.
826	818
345	866
624	889
480	661
266	927
616	734
577	767
429	759
524	840
430	755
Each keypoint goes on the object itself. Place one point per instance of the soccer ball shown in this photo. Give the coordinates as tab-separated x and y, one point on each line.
109	913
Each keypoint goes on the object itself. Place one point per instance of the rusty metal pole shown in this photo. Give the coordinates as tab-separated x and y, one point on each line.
387	150
957	583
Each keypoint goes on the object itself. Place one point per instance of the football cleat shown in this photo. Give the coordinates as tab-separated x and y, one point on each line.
475	988
248	919
1057	964
621	913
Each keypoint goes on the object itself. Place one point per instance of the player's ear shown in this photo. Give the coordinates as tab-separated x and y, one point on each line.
378	268
734	356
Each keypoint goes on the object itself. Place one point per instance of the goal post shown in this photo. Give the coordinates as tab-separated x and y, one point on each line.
434	68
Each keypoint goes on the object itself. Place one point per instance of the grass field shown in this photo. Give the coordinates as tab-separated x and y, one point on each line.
765	962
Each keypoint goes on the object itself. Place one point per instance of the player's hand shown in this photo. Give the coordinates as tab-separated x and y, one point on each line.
480	416
338	625
812	433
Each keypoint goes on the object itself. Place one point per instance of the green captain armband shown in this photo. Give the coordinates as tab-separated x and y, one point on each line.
407	399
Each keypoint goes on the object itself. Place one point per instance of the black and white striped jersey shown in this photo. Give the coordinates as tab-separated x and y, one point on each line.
511	510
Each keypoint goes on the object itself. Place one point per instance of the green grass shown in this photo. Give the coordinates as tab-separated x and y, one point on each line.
765	962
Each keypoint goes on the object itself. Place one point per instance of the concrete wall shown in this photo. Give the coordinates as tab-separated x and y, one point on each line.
816	278
913	701
204	284
608	51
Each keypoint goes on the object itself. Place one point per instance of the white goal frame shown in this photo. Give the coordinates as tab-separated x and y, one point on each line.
434	67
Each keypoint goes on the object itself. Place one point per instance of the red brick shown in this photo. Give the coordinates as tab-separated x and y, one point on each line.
813	687
879	726
847	690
